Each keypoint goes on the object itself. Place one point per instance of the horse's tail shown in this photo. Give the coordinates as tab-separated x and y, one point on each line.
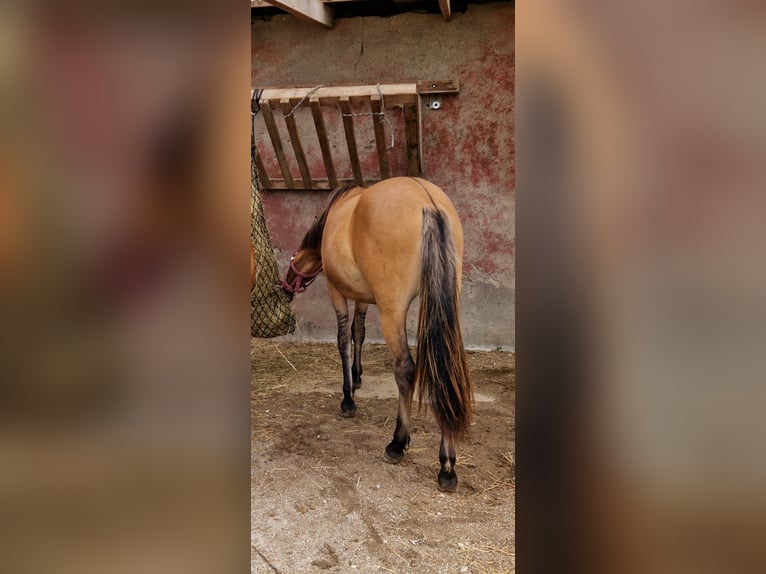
441	370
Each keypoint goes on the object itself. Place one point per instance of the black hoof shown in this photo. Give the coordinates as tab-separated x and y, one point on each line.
348	410
393	454
447	481
357	384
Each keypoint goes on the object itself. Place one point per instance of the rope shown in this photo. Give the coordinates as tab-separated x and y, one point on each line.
381	114
256	99
299	104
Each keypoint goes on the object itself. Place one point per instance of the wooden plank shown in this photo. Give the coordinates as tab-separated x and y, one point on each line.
393	94
411	136
324	143
262	175
316	184
276	141
421	152
438	87
292	129
309	10
265	4
446	9
380	137
348	127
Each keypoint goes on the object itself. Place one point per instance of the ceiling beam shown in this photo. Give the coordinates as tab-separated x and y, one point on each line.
309	10
446	9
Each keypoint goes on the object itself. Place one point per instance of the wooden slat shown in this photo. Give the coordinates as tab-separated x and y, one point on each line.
292	129
276	141
438	87
262	175
316	184
421	151
309	10
348	127
393	94
411	135
265	4
446	9
380	137
324	144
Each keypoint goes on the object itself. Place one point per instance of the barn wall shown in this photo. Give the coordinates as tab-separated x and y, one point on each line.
468	144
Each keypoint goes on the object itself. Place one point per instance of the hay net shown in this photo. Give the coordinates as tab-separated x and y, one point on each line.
270	312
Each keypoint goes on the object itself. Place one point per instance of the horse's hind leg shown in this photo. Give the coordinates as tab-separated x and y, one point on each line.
404	372
357	336
347	407
447	475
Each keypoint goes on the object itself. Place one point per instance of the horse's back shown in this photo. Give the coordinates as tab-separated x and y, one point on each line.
387	232
371	246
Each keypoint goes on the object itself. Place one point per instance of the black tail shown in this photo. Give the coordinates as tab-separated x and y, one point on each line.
441	368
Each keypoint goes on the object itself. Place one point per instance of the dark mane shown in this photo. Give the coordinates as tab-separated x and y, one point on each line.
313	238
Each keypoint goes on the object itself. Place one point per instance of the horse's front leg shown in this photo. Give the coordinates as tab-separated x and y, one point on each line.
357	336
347	407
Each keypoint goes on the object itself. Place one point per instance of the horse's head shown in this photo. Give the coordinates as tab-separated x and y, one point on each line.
305	266
306	263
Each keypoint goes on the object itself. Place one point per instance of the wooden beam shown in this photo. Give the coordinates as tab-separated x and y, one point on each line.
393	94
348	127
421	151
267	4
380	137
276	141
316	184
324	143
309	10
292	129
446	9
438	87
262	175
411	136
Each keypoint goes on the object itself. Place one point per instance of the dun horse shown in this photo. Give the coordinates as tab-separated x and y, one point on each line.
385	245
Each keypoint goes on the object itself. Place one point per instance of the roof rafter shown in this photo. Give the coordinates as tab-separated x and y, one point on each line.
310	10
321	11
446	8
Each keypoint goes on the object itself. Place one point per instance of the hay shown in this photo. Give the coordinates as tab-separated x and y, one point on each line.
270	312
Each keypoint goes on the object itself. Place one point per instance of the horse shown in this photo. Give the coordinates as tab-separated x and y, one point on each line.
384	245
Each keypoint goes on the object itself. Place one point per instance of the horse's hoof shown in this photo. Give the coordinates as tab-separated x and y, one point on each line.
347	411
393	456
447	481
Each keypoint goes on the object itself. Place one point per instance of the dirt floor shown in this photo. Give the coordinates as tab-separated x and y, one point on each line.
323	499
